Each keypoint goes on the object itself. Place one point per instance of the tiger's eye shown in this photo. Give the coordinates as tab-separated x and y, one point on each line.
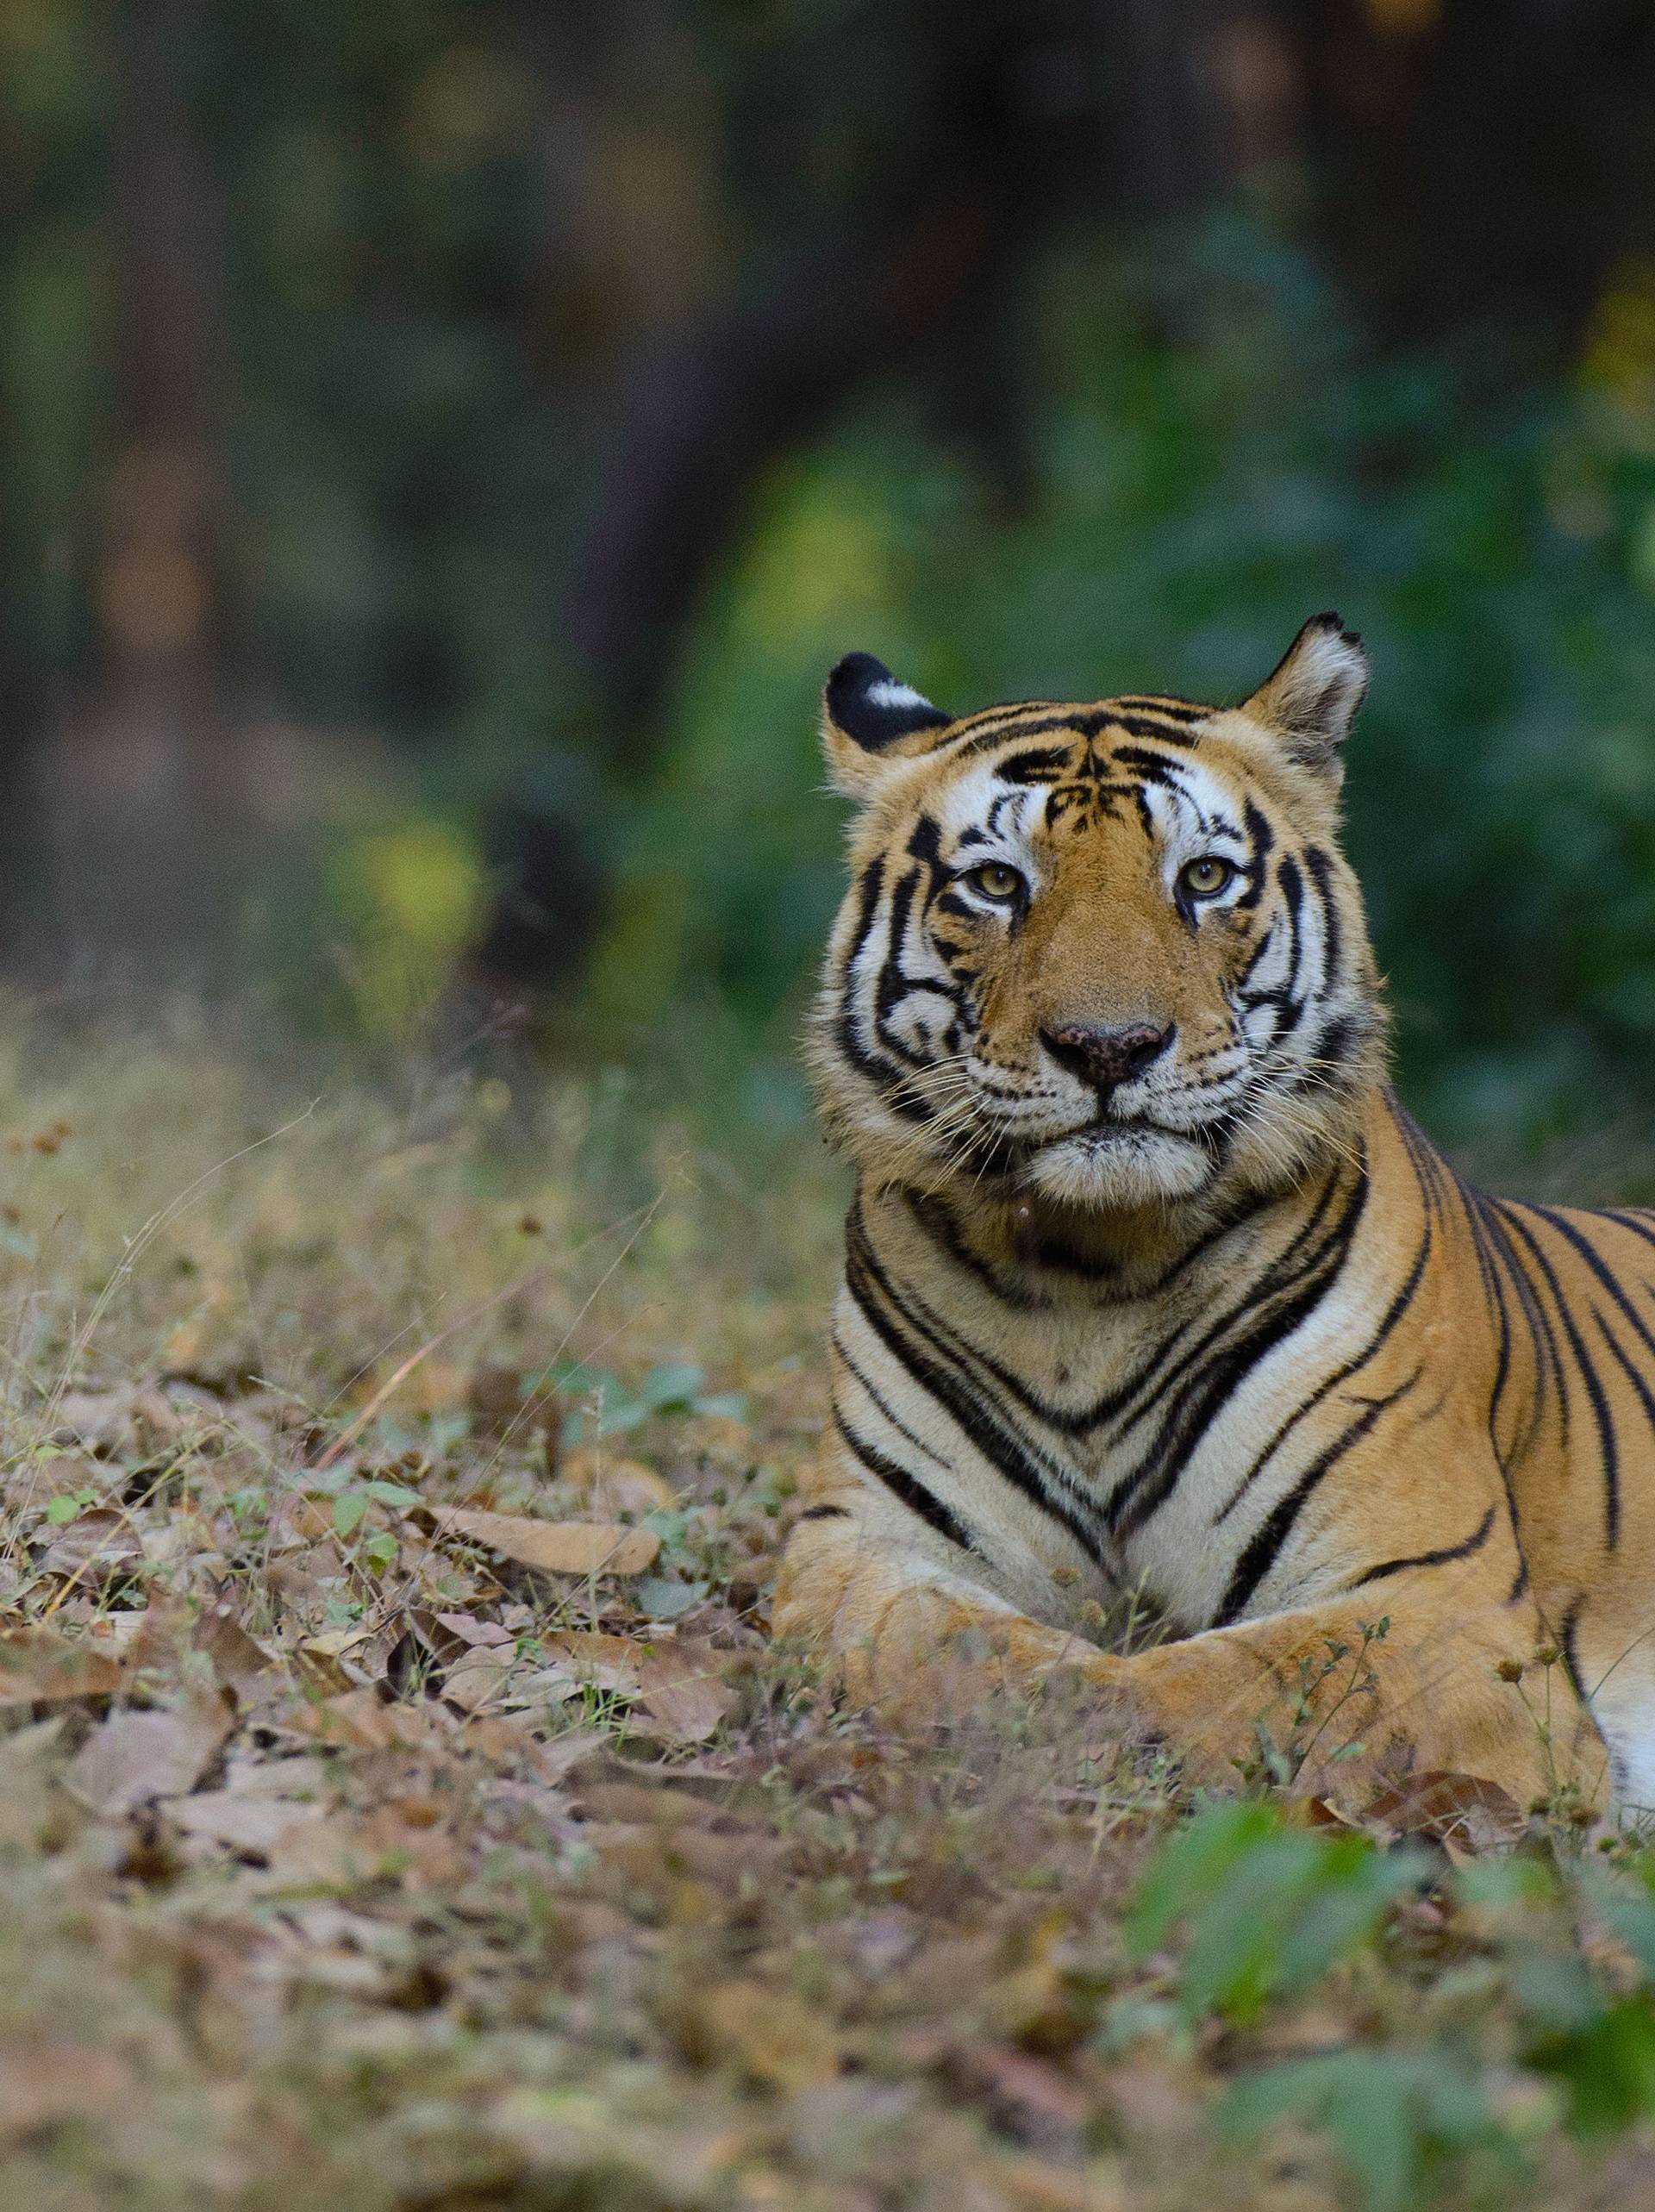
996	881
1206	877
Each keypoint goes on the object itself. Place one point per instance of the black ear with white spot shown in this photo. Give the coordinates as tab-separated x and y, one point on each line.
869	715
872	709
1310	699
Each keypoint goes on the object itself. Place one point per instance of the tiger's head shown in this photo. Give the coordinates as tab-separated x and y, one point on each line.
1109	955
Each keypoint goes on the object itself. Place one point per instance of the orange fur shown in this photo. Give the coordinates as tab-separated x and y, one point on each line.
1192	1308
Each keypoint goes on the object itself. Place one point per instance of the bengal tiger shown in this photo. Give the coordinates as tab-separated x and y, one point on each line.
1152	1285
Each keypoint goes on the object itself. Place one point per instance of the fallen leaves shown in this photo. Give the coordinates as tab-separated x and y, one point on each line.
561	1548
680	1682
133	1758
94	1547
610	1487
254	1825
1460	1810
39	1666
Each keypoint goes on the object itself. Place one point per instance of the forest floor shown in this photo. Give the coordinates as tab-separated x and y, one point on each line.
401	1805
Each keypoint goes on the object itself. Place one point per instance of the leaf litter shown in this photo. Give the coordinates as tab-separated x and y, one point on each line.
401	1804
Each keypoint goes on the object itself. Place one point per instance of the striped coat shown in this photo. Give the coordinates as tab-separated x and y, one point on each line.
1152	1289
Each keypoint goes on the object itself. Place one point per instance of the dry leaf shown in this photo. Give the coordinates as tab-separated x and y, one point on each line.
684	1687
572	1547
1452	1808
328	1854
471	1630
500	1406
105	1421
240	1820
404	1838
553	1761
133	1757
681	1684
94	1546
476	1677
240	1663
1037	2185
363	1718
36	1664
296	1774
35	1482
613	1486
324	1658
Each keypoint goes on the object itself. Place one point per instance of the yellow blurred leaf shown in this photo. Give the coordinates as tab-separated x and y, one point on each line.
775	2039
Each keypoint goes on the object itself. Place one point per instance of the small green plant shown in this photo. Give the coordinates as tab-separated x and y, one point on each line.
351	1504
68	1506
1325	1689
1268	1908
608	1408
1398	2117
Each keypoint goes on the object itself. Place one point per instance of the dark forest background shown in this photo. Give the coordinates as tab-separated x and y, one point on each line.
442	448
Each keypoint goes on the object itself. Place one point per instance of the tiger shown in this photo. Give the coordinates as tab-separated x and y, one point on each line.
1155	1295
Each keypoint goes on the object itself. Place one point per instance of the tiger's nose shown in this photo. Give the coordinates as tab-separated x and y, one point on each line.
1106	1056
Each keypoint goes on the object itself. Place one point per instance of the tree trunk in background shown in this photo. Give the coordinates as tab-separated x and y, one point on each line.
139	775
1478	162
916	281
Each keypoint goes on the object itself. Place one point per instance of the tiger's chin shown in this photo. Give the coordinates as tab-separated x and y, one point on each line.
1112	1168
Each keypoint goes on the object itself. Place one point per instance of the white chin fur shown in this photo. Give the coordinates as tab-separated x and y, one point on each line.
1138	1167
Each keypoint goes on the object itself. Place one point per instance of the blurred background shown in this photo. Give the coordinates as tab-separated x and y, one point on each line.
443	447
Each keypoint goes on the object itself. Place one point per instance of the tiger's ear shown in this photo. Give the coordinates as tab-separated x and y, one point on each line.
868	718
1309	700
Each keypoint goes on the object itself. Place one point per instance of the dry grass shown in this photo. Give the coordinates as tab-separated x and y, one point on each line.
351	1861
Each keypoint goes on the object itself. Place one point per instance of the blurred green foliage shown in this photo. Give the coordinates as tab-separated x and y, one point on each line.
1216	453
1249	1913
1213	467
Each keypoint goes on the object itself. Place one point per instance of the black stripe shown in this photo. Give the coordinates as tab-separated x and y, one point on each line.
1143	725
1628	1218
825	1513
1548	1355
1565	1227
1156	1476
1084	721
1493	1291
1571	1645
1607	1443
1181	710
1268	1539
980	734
914	1494
1155	1381
1398	1306
1474	1543
1015	1456
1323	869
1639	1385
900	1426
1041	764
1262	839
1150	765
885	1075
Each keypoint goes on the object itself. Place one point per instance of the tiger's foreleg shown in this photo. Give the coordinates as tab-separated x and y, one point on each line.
1438	1675
903	1630
1434	1676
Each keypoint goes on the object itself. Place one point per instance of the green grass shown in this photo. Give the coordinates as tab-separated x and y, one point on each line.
346	1860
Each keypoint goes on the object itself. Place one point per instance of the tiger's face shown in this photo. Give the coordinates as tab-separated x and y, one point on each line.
1111	954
